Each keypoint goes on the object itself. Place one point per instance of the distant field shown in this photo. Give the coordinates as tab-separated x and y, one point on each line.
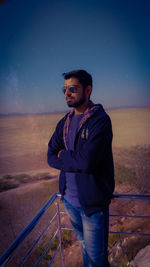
23	143
20	135
24	139
131	127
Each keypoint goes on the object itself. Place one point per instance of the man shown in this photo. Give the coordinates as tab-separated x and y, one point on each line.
81	148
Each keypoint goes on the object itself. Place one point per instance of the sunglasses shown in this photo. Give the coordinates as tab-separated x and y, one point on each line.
71	88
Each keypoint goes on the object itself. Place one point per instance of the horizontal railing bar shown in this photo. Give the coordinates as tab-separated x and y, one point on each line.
37	240
121	215
110	232
130	216
131	196
26	231
47	247
128	233
136	196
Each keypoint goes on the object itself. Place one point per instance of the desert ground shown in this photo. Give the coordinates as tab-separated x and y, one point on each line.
23	146
24	139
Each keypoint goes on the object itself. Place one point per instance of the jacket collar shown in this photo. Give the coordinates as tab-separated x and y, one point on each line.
87	114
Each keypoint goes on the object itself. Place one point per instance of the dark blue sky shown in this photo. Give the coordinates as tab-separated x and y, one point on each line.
39	40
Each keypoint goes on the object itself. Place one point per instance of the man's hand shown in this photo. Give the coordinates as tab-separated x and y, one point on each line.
58	155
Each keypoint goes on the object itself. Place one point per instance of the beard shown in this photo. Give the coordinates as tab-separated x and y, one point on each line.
78	103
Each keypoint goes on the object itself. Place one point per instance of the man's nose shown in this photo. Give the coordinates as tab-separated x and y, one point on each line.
67	93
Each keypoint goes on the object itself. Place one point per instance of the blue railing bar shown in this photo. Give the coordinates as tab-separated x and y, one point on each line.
54	256
129	233
47	247
121	215
9	252
37	240
130	216
137	196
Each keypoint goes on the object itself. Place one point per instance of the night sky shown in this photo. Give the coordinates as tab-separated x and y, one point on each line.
41	39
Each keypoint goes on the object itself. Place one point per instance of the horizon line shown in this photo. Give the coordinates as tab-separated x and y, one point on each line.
64	111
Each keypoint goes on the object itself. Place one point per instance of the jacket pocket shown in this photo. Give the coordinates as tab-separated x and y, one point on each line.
89	192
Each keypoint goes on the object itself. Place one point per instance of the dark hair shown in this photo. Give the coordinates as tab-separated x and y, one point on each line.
83	77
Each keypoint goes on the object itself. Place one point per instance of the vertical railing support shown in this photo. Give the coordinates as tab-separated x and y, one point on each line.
60	235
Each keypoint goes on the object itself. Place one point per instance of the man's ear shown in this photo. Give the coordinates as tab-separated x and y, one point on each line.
88	90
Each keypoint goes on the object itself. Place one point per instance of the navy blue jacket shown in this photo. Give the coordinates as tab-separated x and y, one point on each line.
91	160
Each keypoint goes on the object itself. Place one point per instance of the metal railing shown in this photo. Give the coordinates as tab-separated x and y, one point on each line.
132	197
7	256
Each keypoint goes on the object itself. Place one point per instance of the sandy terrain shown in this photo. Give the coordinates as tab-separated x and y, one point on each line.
131	127
23	143
23	146
24	139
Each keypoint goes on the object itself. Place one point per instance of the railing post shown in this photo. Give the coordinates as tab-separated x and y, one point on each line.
60	235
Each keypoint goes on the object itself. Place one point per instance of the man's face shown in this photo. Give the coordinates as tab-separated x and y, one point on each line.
74	99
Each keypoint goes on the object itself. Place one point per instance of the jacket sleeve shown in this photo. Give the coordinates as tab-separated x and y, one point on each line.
93	151
54	146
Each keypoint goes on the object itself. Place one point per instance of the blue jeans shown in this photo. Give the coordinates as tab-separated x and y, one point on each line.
92	232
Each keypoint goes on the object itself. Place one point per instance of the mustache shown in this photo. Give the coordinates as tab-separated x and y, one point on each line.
70	97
